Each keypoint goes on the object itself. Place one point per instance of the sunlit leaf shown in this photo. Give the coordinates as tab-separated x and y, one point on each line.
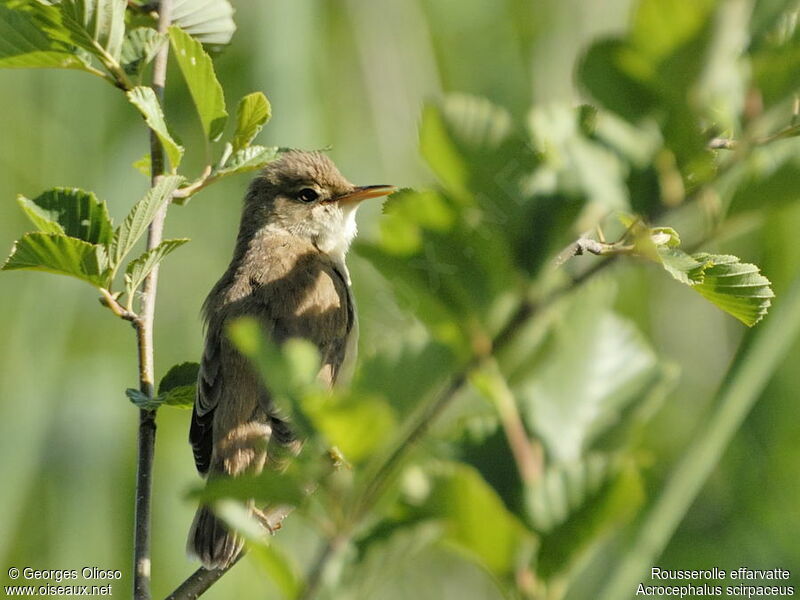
70	211
205	89
23	45
57	253
144	99
140	268
97	26
254	110
737	288
208	21
248	159
140	217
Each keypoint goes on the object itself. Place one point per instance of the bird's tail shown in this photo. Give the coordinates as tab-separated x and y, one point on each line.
211	541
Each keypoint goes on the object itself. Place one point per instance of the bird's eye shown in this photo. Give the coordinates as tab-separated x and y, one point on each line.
307	195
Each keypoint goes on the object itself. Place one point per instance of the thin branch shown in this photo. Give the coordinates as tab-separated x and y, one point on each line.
144	337
792	130
527	453
198	582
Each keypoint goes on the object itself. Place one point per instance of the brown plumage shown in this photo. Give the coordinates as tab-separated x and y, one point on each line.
288	272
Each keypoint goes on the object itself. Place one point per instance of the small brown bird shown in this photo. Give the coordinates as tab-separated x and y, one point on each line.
288	272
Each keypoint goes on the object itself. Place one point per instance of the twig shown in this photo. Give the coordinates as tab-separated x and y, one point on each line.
792	130
199	582
144	338
527	453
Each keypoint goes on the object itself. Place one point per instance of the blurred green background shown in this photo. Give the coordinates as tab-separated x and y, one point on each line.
352	75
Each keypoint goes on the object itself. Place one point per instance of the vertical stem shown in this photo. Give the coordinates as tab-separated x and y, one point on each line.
144	337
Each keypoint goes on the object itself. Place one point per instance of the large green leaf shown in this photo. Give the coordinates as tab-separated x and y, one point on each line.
70	211
57	253
140	217
205	89
737	288
474	517
599	364
144	99
573	504
409	564
209	21
253	111
140	268
97	26
23	45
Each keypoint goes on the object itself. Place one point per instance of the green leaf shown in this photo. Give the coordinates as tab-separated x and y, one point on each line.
57	253
599	365
248	159
253	111
357	424
286	487
474	517
140	217
139	48
198	71
178	387
208	21
574	504
144	99
97	26
737	288
23	45
409	564
279	567
70	211
140	268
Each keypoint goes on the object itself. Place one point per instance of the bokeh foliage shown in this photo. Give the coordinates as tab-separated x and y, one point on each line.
605	365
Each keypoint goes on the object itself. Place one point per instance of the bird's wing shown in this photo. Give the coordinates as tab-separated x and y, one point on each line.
294	291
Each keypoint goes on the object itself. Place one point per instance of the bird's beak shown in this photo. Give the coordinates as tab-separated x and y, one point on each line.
364	192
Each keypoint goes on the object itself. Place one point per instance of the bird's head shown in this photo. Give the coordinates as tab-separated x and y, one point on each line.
304	194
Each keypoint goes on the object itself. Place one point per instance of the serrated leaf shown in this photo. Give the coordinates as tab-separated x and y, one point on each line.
24	46
574	504
208	21
144	99
97	26
180	375
57	253
140	217
248	159
254	110
139	48
70	211
737	288
140	268
205	89
142	400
